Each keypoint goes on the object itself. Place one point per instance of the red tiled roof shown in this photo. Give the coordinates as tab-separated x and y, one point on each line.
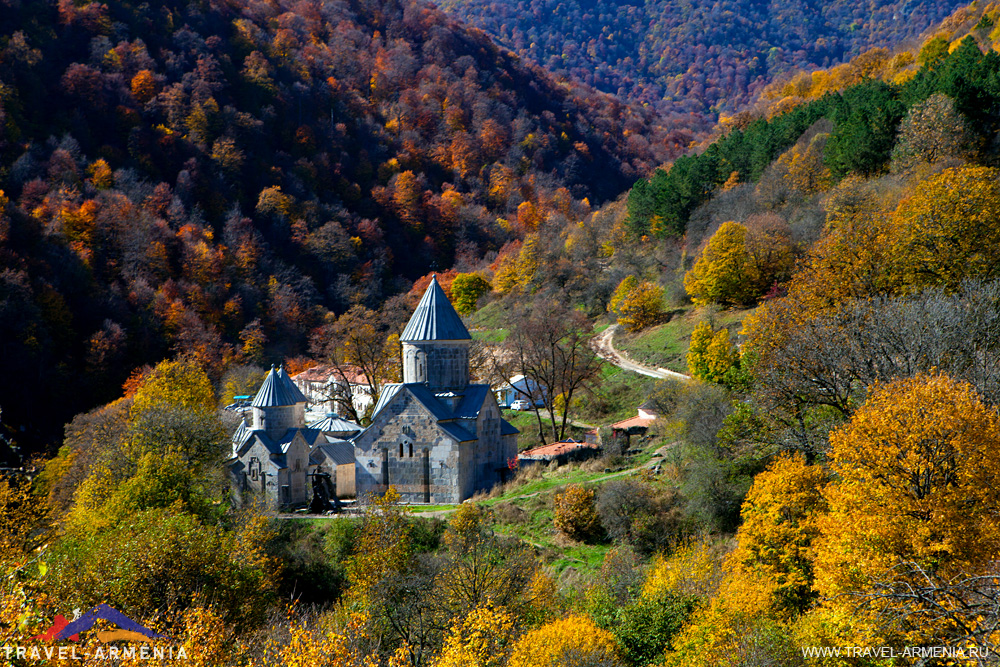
556	449
323	373
319	373
632	422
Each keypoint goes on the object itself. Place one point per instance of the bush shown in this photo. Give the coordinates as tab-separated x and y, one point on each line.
575	515
644	629
635	513
573	640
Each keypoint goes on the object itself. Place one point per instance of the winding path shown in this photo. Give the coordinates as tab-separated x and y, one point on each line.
606	350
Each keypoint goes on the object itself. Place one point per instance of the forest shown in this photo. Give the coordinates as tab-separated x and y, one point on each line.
821	267
215	178
694	60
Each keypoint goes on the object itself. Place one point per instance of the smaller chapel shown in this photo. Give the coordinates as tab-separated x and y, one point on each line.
435	437
276	454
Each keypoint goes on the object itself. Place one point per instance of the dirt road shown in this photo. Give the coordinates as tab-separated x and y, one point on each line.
605	349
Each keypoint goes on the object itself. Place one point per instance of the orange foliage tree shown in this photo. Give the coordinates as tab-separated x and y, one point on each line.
918	481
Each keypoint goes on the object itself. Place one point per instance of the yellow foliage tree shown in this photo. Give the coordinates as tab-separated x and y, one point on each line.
780	516
950	227
101	174
637	304
23	521
918	481
182	383
711	357
516	270
571	640
741	622
327	641
467	289
501	184
804	167
693	570
482	639
383	547
724	273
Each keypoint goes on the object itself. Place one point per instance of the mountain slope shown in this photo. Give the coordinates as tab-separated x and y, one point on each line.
694	57
213	177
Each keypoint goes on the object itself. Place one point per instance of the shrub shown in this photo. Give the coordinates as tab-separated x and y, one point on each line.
635	513
575	514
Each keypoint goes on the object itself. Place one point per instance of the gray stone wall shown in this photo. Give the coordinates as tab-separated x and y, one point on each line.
405	448
494	451
276	420
258	475
253	471
443	365
295	474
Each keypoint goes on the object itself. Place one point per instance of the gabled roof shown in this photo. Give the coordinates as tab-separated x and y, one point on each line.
277	390
388	392
473	398
240	436
319	373
333	423
325	373
278	448
426	397
435	318
258	436
340	452
457	432
632	422
555	449
468	408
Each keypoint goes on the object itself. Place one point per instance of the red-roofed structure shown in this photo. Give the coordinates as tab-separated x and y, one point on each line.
637	425
560	451
633	423
324	387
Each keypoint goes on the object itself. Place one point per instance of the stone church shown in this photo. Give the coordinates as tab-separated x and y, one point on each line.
435	437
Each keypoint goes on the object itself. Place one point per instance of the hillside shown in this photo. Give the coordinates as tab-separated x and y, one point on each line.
213	178
694	59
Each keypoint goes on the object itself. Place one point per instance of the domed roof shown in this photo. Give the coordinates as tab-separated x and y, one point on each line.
333	423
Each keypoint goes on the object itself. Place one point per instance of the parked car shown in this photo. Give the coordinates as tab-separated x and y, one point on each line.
520	404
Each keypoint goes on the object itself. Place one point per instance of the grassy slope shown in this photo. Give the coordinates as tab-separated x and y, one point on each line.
524	508
486	324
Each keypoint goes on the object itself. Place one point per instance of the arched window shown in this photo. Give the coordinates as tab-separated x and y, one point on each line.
400	450
411	450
